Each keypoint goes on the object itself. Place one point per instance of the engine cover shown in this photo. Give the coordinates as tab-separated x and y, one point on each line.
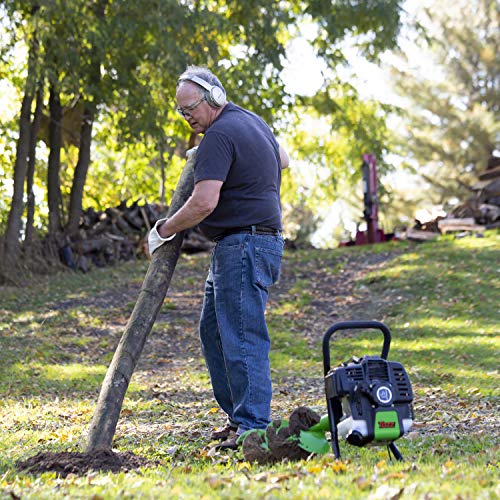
376	400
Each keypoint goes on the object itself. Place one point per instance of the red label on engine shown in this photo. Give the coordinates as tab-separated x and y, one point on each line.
386	425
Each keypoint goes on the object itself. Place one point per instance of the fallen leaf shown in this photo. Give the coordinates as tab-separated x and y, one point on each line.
315	469
261	477
338	467
214	481
363	483
395	475
386	492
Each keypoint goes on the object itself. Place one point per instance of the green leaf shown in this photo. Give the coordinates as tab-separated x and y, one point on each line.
314	442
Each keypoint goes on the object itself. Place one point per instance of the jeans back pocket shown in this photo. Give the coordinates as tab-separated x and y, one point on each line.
267	266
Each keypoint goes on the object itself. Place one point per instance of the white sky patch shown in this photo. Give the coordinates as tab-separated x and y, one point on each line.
303	71
9	100
338	214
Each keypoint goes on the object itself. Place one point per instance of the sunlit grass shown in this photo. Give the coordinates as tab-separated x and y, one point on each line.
440	301
38	377
322	479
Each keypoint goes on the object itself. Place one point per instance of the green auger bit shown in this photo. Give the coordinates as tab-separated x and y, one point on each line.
314	440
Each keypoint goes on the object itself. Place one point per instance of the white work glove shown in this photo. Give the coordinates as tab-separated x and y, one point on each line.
191	152
154	239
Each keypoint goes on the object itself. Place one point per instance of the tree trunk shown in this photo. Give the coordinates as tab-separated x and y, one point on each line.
151	296
54	165
35	127
193	140
89	111
12	233
81	170
13	230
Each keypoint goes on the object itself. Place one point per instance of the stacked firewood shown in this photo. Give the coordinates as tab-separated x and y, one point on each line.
481	211
120	234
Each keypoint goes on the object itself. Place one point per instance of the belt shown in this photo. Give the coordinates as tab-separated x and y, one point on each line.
249	230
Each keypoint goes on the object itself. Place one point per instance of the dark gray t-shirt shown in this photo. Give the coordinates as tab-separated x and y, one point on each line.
240	150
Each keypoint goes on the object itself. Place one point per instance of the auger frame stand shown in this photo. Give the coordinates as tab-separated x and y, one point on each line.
369	399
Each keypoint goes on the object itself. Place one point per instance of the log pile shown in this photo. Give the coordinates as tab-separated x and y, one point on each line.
424	231
481	211
120	234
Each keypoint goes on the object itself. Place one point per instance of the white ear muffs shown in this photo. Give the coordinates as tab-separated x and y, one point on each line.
216	97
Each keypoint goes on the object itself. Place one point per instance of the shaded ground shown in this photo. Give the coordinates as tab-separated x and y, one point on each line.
171	376
173	348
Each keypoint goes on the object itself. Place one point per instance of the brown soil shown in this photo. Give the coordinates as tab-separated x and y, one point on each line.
65	463
282	442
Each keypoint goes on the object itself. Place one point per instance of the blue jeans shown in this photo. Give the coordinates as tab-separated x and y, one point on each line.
233	331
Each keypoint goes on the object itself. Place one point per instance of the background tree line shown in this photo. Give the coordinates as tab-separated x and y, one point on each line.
96	83
449	126
114	64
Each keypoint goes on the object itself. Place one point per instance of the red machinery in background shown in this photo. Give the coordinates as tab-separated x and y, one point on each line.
373	233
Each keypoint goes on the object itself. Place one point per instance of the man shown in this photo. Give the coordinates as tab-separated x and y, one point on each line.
236	202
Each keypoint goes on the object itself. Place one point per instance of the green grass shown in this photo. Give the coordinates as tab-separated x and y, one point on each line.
446	306
439	299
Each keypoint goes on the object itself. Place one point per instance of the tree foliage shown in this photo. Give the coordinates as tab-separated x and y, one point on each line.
116	62
451	124
331	132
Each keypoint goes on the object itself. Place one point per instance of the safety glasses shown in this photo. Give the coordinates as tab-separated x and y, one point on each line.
186	110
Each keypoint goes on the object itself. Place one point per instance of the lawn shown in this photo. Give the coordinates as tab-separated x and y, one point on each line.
439	299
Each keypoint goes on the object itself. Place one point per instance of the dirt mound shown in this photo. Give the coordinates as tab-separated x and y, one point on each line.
65	462
280	440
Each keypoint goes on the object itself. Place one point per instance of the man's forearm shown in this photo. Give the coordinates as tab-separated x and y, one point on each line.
199	205
188	216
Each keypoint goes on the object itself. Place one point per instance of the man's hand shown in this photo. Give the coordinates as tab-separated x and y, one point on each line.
285	160
154	239
200	204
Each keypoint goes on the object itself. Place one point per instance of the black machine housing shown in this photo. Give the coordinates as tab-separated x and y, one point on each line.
369	399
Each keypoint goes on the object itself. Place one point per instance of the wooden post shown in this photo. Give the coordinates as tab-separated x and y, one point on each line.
154	288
